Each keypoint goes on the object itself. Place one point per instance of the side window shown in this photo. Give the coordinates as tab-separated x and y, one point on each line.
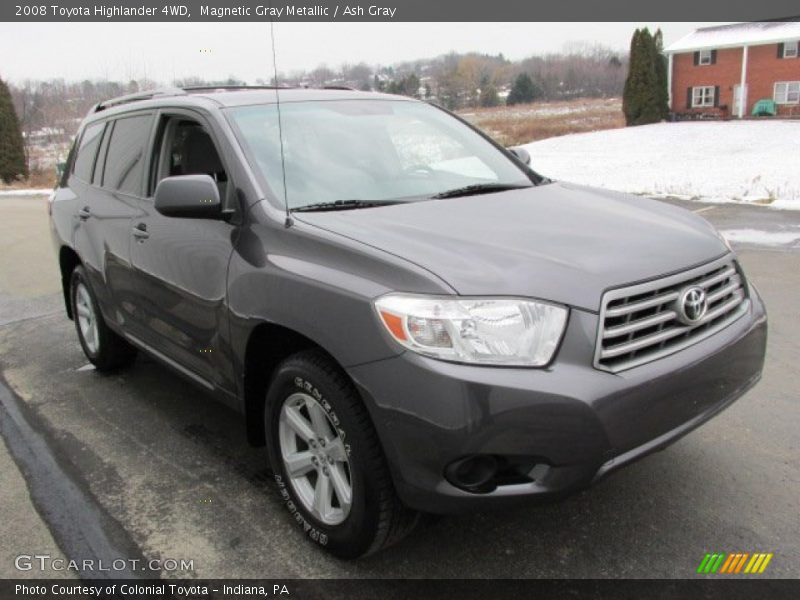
62	182
124	166
87	151
100	163
187	149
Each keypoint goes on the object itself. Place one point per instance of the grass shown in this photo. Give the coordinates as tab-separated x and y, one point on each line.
45	178
39	179
524	123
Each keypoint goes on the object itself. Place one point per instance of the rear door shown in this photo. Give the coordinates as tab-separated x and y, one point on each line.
104	211
87	239
118	183
180	265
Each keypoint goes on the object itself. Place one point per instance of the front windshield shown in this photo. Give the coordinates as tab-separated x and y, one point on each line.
369	150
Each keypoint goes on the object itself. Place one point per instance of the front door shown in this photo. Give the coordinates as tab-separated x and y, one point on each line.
180	265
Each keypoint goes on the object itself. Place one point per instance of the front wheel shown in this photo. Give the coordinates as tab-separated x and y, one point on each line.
328	463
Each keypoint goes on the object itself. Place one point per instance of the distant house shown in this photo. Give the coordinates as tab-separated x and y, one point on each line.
725	70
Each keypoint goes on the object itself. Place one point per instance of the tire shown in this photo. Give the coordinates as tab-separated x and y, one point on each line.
375	518
105	349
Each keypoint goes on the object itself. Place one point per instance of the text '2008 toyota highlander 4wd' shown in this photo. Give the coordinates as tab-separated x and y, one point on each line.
409	317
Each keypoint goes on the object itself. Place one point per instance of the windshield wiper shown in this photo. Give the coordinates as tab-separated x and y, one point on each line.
341	205
479	188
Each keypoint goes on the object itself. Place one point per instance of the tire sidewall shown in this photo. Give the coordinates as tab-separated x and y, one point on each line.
355	534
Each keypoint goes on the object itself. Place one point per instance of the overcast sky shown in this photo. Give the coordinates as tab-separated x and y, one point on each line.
165	51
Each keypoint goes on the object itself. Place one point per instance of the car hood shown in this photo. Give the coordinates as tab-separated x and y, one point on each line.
559	242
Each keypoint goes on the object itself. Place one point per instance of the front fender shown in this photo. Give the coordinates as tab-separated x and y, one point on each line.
320	285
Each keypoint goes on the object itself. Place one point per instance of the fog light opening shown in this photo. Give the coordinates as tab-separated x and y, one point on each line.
473	473
484	473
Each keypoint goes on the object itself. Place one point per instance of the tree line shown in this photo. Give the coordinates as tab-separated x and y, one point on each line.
474	80
49	112
454	80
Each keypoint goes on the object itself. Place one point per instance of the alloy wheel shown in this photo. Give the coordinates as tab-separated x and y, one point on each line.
87	319
315	459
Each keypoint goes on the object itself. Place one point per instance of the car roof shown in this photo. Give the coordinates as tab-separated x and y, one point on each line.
223	97
244	97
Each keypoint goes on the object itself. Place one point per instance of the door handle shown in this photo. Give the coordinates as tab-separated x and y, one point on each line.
140	231
84	213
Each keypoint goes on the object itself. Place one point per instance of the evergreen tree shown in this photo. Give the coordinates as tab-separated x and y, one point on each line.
644	98
410	86
489	96
407	85
650	111
523	91
12	150
631	92
662	81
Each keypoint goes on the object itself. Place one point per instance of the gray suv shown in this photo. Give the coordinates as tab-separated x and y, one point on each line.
410	319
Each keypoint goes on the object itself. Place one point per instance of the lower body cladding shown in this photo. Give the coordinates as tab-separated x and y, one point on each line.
461	437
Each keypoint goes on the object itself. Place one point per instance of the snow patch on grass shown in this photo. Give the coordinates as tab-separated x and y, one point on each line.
754	162
25	192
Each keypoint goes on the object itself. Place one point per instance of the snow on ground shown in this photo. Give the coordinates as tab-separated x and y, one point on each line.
730	161
763	238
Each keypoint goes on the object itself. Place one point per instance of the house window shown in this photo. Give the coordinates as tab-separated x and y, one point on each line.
787	92
790	50
703	96
705	57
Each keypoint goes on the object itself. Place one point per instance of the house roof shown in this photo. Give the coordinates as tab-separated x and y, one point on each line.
737	35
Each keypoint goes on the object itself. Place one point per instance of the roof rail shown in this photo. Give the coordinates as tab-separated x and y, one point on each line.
183	91
206	88
146	95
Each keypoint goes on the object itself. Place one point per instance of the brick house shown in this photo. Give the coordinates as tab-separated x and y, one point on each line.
723	71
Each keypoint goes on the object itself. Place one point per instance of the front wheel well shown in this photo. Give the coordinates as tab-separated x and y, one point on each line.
268	345
68	259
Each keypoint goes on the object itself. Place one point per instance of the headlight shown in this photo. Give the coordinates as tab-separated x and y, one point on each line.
492	331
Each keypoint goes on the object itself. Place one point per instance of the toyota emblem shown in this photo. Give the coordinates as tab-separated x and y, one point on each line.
692	305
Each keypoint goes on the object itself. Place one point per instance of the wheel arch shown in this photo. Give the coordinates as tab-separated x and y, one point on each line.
267	346
68	259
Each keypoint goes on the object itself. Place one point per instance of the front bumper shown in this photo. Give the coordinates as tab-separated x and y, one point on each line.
578	423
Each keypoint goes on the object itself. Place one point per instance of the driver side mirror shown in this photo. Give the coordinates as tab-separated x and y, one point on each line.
188	197
522	155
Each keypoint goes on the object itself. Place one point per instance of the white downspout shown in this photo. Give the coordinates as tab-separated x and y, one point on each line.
669	80
743	83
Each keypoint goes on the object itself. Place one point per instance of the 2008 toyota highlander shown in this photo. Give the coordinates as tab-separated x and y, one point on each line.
410	318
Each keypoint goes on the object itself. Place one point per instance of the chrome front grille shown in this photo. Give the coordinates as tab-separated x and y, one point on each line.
642	323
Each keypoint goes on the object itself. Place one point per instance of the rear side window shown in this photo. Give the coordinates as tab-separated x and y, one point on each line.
99	164
124	165
87	151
